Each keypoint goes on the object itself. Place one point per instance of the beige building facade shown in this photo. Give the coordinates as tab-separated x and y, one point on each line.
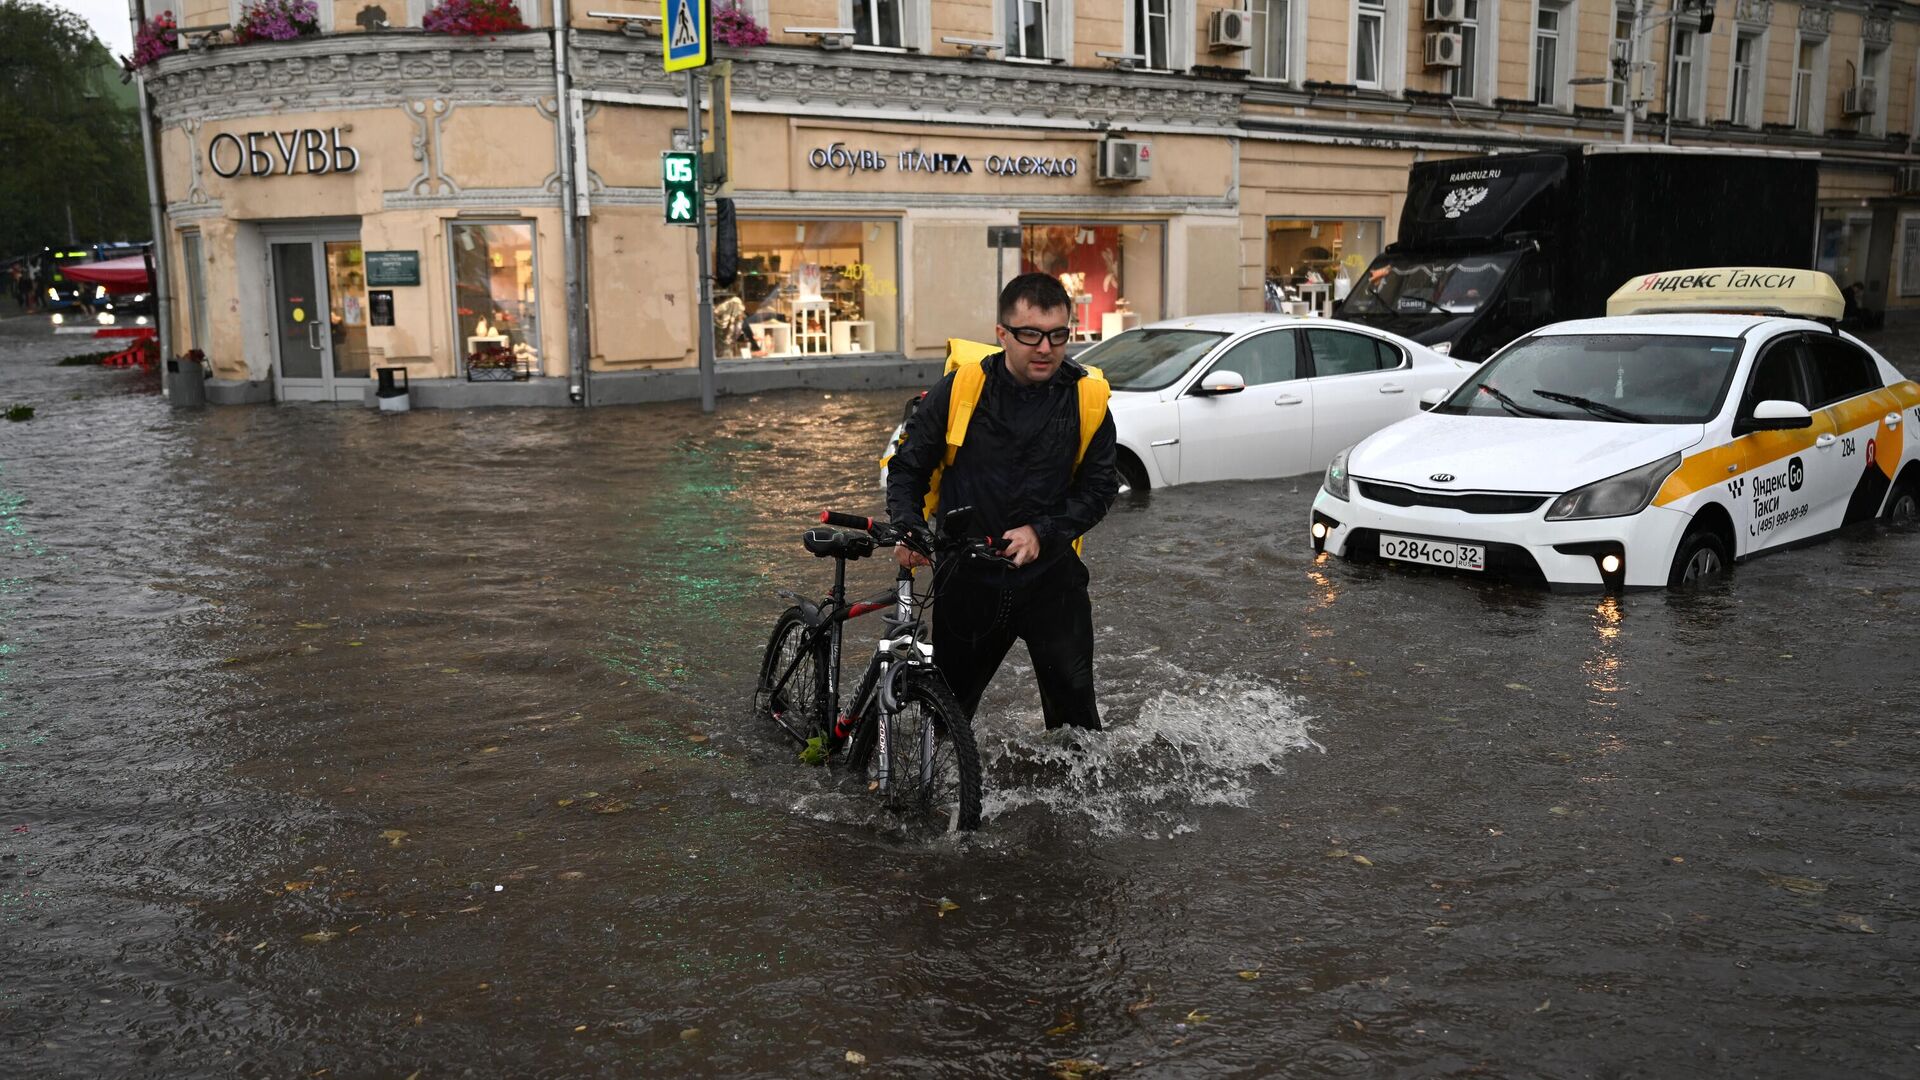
486	214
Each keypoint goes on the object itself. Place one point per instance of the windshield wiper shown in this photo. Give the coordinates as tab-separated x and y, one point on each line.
1511	405
1597	408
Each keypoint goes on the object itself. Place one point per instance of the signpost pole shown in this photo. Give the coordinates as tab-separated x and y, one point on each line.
700	245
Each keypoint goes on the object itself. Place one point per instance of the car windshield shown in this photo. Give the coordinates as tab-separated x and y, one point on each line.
1608	378
1149	358
1428	286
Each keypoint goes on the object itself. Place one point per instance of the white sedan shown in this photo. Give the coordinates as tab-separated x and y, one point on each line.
1247	397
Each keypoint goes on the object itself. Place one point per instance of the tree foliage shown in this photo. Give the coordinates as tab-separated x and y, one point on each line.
68	143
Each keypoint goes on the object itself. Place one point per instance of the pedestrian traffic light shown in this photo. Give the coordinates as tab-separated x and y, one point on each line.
680	179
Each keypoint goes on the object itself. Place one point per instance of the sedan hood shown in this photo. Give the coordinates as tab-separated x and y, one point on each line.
1502	453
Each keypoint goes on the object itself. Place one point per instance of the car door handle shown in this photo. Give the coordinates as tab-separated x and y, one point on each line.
1825	442
1892	420
1392	388
1287	399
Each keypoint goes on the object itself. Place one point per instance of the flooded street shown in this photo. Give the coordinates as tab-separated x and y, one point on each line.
335	743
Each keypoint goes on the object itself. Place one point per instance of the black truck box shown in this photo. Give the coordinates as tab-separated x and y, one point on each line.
1491	247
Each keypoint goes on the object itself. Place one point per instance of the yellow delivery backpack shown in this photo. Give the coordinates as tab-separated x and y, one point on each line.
969	380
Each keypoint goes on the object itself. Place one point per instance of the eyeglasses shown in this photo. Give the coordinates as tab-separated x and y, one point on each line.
1029	335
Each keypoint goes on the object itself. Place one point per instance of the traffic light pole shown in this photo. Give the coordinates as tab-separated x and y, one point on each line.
700	244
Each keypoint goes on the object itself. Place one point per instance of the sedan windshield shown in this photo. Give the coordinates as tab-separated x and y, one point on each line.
1608	378
1149	359
1428	286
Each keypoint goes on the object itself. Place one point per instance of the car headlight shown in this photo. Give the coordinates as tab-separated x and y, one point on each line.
1444	348
1336	481
1616	496
58	318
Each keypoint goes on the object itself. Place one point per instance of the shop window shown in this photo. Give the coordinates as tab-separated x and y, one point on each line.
812	288
193	261
1314	260
1840	250
495	289
1910	257
1113	272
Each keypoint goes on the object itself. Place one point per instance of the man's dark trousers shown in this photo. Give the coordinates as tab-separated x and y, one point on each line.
975	624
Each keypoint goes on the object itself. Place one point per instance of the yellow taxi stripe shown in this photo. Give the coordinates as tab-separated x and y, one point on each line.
1711	466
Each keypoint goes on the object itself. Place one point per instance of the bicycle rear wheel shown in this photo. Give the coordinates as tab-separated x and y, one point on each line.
792	692
934	772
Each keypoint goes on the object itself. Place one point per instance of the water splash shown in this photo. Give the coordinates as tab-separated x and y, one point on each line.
1200	745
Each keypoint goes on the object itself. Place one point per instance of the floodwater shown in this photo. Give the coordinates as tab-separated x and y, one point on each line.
342	744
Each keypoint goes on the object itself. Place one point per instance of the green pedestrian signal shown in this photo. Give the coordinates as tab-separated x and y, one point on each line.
680	178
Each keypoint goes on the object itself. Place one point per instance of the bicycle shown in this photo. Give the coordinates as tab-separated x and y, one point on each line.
906	733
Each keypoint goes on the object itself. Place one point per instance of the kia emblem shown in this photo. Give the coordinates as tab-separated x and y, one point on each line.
1441	478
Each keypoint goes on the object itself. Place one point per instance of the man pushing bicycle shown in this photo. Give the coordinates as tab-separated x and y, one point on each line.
1025	439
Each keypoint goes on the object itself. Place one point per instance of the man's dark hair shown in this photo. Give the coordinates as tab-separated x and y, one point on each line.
1041	292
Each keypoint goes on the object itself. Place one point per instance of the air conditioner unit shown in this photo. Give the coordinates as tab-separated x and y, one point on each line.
1860	101
1446	11
1124	161
1443	48
1909	179
1230	30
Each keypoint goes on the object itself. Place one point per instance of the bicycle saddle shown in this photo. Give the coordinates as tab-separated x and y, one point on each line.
838	543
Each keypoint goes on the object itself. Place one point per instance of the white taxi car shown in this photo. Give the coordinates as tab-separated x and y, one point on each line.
1652	447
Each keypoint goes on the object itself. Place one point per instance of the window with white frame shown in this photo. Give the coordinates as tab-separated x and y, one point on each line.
1743	83
1548	54
1809	98
1369	42
1873	85
1273	38
878	22
1465	80
1026	30
1620	45
1683	74
1153	33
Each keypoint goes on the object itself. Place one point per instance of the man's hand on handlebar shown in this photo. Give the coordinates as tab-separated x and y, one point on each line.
908	557
1022	545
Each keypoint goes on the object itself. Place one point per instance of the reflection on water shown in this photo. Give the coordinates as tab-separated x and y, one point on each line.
347	744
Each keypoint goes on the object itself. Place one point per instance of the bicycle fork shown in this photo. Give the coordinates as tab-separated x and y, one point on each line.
900	650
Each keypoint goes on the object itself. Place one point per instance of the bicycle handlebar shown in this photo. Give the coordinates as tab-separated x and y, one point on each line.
944	542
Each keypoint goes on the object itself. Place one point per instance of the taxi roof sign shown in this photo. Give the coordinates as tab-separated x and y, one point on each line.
1742	290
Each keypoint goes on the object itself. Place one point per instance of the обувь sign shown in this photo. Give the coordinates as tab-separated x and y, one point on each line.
313	151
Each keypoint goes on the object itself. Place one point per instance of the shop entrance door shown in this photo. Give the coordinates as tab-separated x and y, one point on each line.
320	317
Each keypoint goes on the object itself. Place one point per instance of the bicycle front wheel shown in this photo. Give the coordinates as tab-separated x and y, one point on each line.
933	766
792	692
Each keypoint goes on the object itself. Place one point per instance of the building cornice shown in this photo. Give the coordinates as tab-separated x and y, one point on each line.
350	71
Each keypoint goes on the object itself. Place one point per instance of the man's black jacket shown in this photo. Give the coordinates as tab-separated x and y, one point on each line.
1016	465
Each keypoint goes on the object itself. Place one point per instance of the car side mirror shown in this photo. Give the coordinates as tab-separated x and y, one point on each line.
1772	415
1220	382
1433	397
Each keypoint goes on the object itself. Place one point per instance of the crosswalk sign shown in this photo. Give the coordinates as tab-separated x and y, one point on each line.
686	25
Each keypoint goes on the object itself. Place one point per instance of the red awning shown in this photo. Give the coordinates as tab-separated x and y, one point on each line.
128	275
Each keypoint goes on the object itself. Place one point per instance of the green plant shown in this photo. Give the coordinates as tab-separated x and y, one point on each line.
17	413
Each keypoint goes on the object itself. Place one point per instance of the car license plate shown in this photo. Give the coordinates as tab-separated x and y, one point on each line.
1433	552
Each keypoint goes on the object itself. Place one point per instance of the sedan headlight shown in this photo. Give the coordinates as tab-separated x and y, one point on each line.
1336	481
1616	496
